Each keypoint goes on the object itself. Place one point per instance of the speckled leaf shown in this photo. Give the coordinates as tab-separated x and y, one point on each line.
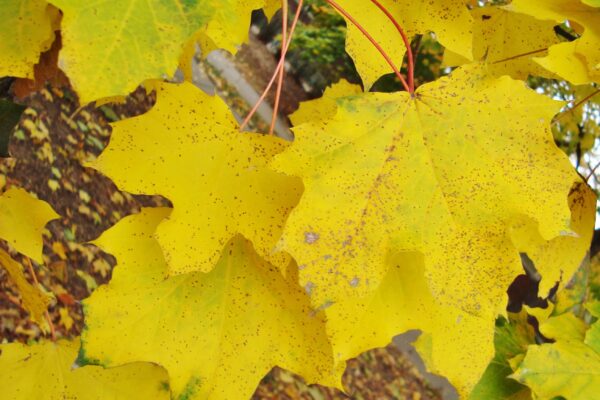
403	302
35	301
45	371
26	28
188	149
445	174
506	41
109	48
583	49
449	19
22	220
217	334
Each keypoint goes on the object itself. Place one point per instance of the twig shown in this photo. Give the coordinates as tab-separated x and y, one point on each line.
284	18
521	55
587	178
276	73
575	105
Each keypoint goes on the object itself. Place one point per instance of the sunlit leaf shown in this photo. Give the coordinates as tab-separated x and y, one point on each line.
217	334
429	174
22	220
26	27
46	370
188	148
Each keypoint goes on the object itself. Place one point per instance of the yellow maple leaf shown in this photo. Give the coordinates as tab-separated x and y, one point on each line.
44	370
403	302
567	64
569	367
22	221
35	300
584	50
217	334
110	48
560	257
445	174
188	148
449	19
229	26
506	41
27	27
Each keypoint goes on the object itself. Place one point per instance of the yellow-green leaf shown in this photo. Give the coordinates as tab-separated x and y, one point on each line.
109	48
564	327
45	370
217	334
188	149
565	368
26	28
445	174
35	300
449	19
22	220
506	41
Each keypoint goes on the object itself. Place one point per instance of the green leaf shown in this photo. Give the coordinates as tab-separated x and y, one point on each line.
10	113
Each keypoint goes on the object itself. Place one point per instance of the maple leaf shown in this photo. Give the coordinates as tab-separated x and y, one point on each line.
110	48
445	174
217	334
560	257
506	41
22	221
449	19
30	25
403	302
189	149
229	25
35	300
577	61
44	370
570	367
